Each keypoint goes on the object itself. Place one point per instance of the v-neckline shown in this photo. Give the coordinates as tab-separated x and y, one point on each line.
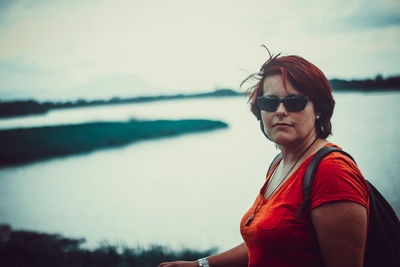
264	187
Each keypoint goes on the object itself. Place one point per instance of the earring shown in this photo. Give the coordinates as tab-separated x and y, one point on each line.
317	117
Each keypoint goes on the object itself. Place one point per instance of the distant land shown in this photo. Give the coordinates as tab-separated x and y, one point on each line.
30	107
31	144
378	84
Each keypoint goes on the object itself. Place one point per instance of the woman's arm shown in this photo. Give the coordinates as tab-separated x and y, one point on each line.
235	257
341	229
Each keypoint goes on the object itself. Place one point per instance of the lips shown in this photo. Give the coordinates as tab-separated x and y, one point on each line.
281	124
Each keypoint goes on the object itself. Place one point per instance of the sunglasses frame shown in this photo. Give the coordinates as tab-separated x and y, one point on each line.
290	106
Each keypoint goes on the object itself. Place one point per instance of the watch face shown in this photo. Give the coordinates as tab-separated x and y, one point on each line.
203	262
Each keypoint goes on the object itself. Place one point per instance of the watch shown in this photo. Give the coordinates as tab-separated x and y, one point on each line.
203	262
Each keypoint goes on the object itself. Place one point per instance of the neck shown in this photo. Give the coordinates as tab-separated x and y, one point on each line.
292	153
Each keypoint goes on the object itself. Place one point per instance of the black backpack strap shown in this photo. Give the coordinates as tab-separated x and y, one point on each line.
310	173
273	162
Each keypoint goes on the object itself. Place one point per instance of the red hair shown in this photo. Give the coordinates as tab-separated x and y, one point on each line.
306	78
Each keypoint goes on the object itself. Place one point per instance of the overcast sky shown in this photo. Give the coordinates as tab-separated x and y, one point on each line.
96	49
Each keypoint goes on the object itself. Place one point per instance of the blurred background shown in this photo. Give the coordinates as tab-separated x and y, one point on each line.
78	77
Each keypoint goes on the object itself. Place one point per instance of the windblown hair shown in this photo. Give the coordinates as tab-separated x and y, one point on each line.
306	78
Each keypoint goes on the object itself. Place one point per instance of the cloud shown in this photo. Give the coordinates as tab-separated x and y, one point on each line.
326	17
168	48
195	46
5	4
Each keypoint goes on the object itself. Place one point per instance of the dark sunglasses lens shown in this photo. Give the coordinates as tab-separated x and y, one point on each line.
268	103
293	104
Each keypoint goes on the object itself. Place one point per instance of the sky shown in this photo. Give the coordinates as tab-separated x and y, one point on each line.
57	50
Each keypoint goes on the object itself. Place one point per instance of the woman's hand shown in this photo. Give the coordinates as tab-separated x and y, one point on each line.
235	257
179	264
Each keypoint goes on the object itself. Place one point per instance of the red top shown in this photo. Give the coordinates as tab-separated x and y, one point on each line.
274	238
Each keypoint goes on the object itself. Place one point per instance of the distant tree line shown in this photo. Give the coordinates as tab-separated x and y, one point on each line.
27	107
21	108
377	84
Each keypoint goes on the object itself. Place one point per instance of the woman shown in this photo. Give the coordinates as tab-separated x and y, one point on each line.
294	104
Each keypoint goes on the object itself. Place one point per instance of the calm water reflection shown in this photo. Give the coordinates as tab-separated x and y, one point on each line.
184	191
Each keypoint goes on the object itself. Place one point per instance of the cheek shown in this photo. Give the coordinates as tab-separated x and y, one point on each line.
266	118
306	123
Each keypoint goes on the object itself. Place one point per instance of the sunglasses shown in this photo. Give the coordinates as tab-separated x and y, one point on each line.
292	103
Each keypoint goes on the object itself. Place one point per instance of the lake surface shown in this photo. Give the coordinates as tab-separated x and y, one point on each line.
187	191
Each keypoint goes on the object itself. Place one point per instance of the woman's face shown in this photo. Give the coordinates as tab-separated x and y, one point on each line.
283	127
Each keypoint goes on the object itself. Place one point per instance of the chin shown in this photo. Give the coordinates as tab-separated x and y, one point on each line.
282	140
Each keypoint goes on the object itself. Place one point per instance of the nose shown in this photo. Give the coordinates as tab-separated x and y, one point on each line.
281	109
281	112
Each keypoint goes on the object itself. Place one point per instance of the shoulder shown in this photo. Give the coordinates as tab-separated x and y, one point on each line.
337	162
338	179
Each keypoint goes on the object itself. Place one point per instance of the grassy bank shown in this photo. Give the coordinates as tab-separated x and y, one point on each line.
25	248
27	145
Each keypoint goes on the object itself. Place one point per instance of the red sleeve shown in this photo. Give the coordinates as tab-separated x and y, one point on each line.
338	179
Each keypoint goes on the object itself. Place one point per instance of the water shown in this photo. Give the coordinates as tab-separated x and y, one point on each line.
187	191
